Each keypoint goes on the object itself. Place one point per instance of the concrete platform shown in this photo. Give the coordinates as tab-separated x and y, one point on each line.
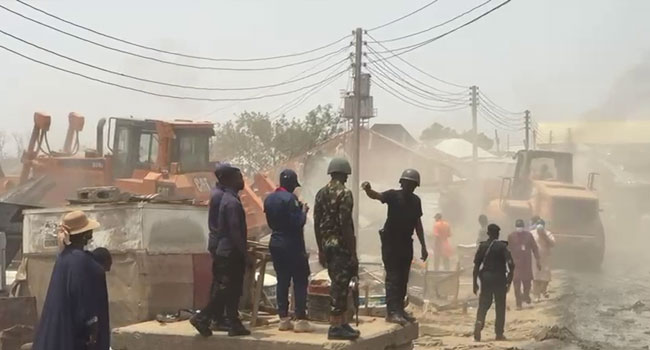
376	334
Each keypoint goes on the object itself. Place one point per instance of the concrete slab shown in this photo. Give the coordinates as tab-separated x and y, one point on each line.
376	334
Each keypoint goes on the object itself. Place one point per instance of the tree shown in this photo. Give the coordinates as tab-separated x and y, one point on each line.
256	142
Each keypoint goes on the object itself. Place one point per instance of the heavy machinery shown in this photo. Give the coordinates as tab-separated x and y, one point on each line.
170	158
543	185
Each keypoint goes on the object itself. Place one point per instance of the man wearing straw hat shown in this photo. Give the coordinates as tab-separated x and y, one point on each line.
75	313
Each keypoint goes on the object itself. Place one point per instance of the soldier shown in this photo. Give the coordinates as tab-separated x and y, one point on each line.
337	249
231	258
404	216
494	267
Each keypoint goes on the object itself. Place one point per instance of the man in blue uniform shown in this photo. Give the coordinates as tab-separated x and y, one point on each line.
404	217
286	216
230	256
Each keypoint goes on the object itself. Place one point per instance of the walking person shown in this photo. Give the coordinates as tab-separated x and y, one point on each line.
482	231
523	247
231	258
75	313
494	268
441	247
404	217
337	250
286	216
545	243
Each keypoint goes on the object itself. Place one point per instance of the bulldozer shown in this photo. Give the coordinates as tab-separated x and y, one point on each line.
143	157
543	185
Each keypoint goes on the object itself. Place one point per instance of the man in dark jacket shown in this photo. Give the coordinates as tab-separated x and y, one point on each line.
286	216
231	258
75	312
494	267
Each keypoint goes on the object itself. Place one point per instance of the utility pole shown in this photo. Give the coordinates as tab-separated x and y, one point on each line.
356	124
474	104
534	139
496	139
550	137
527	128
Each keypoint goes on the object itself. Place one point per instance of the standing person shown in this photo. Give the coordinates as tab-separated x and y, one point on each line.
482	231
523	247
404	217
337	247
545	242
441	246
286	216
231	258
494	267
75	312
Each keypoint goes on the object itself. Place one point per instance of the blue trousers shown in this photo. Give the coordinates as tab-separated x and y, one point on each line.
291	265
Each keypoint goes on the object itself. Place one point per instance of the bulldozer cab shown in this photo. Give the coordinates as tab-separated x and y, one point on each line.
540	166
176	147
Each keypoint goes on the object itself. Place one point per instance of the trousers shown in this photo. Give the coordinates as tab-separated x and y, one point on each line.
219	306
291	265
522	295
492	288
227	286
397	260
341	269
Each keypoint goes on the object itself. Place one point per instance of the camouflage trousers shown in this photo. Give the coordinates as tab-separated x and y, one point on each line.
341	269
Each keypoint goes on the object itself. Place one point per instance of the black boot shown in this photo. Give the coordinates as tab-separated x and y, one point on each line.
396	317
501	337
220	325
341	333
478	327
408	316
237	329
350	329
201	324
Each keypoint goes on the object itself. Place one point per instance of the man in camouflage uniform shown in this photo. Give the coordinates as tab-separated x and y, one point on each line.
337	251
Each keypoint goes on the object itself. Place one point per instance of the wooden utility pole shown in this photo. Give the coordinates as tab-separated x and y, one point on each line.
356	124
527	128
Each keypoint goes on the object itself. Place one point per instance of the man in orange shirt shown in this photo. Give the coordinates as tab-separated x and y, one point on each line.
441	246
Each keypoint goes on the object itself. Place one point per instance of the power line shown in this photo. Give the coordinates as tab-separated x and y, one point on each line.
496	122
159	94
179	53
497	114
166	83
409	48
397	94
170	62
412	65
437	25
448	96
403	17
487	99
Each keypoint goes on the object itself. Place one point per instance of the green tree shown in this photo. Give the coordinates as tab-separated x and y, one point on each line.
256	142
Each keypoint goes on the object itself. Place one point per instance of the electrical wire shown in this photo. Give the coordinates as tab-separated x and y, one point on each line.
269	68
404	17
417	93
413	66
395	93
495	121
155	93
488	100
437	25
507	119
409	48
213	59
167	83
447	96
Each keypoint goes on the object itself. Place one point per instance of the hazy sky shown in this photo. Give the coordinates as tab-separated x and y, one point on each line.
558	58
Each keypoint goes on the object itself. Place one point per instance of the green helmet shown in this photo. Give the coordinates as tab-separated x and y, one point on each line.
339	165
411	175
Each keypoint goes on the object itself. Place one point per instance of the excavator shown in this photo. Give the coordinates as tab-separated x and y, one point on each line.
144	157
543	185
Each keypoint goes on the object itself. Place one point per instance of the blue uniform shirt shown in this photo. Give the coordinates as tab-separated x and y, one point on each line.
213	216
231	230
286	219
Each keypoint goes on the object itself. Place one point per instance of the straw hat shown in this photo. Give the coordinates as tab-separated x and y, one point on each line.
74	223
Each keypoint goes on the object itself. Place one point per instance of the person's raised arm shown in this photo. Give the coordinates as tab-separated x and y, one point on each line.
372	194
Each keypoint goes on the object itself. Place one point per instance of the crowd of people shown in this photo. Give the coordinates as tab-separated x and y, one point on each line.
75	312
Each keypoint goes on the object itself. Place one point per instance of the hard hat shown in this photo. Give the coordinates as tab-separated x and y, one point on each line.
339	165
222	168
289	177
411	175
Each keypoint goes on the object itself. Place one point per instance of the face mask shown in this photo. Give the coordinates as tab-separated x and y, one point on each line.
520	229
